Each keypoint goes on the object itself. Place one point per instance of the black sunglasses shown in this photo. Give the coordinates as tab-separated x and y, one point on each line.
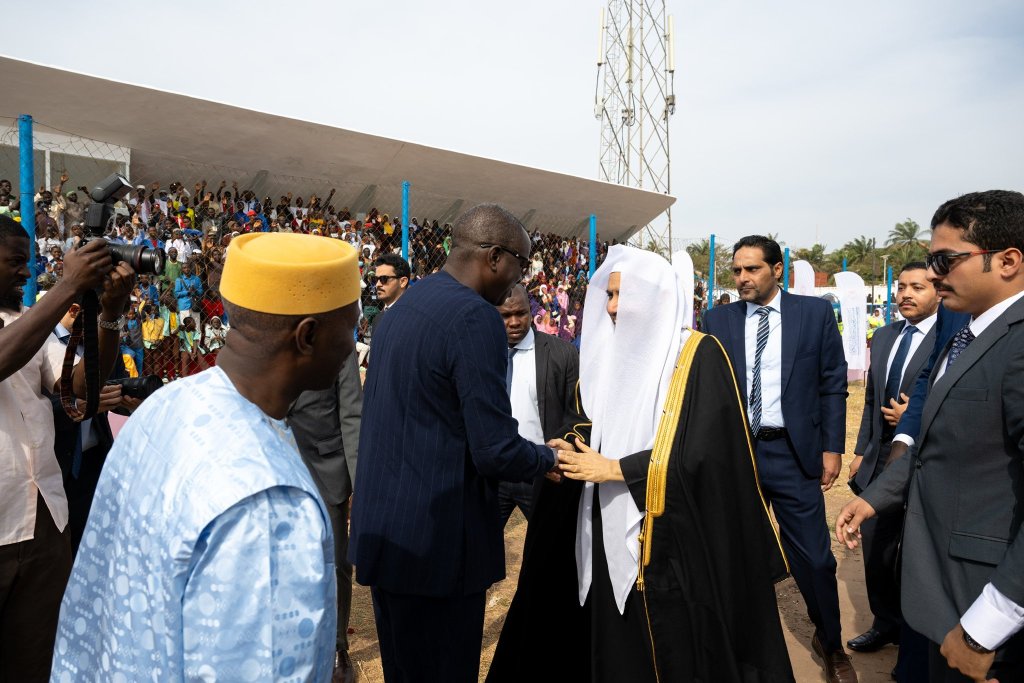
524	263
942	262
383	279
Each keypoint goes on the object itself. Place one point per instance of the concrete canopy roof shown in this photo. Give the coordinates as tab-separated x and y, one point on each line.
177	137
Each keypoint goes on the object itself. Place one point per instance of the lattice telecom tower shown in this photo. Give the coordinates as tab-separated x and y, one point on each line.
634	99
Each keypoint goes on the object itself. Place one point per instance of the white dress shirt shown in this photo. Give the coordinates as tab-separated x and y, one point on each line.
923	328
523	394
771	361
27	460
993	618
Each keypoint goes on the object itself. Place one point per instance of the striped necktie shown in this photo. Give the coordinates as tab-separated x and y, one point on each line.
755	383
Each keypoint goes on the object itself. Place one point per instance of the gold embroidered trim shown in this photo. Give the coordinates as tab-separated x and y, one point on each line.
657	471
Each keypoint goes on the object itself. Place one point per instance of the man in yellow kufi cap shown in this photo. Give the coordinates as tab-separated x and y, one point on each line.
208	552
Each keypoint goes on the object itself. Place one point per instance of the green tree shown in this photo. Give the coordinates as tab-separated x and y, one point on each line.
699	252
907	241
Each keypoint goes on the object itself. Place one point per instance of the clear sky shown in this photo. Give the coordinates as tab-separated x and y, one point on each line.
817	121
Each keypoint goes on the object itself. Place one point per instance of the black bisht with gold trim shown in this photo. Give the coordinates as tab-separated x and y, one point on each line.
709	554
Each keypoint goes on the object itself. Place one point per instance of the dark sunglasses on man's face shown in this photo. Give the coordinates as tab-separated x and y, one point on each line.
383	279
941	262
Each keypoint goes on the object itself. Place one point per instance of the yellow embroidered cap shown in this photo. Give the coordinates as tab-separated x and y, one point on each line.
290	273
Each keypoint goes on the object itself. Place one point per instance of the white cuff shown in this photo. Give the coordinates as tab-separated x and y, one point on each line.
903	438
993	618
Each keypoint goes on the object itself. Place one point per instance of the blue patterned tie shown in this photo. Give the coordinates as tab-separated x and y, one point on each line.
508	370
755	383
895	376
960	342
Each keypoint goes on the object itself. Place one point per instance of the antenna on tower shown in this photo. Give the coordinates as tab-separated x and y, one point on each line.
633	99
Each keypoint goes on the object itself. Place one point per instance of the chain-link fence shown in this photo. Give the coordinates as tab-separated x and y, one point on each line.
192	210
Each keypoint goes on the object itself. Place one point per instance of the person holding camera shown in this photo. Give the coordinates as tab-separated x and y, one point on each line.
35	553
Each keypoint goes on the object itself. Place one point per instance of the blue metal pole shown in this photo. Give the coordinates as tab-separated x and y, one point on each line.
711	272
405	220
844	264
785	270
592	261
28	204
888	293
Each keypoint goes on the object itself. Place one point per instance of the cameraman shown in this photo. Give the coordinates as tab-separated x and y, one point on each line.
35	554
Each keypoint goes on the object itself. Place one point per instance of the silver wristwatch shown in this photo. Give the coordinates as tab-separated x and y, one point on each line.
114	325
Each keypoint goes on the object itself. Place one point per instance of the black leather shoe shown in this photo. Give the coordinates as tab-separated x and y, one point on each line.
344	672
872	640
837	664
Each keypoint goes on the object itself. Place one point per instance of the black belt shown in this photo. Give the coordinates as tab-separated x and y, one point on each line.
771	433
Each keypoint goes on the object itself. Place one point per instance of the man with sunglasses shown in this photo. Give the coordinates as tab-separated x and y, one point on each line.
963	551
436	436
391	279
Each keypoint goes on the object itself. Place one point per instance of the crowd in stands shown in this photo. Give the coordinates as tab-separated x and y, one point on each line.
177	322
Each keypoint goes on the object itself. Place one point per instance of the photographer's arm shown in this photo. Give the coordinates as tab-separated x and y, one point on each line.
20	340
84	269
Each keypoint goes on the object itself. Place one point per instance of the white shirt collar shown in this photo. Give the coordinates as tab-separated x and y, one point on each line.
926	325
774	304
527	342
979	324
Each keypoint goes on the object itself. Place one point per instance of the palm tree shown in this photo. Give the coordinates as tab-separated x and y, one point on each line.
860	248
907	232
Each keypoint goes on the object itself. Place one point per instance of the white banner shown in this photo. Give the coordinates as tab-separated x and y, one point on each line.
803	278
852	306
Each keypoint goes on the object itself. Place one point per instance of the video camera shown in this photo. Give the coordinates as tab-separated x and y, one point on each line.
98	214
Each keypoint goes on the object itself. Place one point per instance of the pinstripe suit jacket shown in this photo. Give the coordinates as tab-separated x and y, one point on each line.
437	434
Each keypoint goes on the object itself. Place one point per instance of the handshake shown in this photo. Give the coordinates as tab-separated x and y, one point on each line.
582	463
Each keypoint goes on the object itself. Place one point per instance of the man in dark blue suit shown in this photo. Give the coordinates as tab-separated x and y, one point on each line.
437	435
788	355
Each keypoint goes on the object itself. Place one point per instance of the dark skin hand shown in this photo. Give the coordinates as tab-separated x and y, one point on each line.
974	665
84	269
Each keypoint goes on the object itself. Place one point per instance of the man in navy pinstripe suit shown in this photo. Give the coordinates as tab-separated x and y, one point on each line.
437	435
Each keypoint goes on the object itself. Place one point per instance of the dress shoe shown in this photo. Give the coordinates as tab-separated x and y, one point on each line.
872	640
344	672
838	668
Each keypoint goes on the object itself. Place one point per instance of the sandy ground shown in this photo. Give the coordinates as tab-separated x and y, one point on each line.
856	617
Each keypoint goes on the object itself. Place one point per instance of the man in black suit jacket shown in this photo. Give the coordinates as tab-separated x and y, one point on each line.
898	352
963	551
326	428
541	379
788	357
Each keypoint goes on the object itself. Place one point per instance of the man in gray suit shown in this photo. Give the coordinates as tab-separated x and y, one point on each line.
326	427
898	352
963	551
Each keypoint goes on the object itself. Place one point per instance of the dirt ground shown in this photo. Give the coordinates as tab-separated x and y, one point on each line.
853	605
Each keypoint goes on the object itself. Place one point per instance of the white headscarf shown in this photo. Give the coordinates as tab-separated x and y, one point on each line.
625	371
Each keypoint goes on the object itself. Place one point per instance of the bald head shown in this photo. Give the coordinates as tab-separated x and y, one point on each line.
518	297
490	251
487	224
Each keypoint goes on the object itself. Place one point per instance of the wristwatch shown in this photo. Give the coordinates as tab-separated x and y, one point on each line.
975	645
114	325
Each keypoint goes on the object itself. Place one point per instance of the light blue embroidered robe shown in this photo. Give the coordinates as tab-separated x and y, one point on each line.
208	553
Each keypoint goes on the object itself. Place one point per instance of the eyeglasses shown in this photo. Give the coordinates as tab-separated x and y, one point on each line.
524	263
383	279
942	262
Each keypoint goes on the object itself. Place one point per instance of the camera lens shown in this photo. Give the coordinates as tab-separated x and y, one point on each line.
141	259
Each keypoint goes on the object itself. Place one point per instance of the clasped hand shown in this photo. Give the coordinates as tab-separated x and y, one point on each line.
583	463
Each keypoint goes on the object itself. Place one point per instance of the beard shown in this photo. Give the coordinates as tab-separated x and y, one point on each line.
11	301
